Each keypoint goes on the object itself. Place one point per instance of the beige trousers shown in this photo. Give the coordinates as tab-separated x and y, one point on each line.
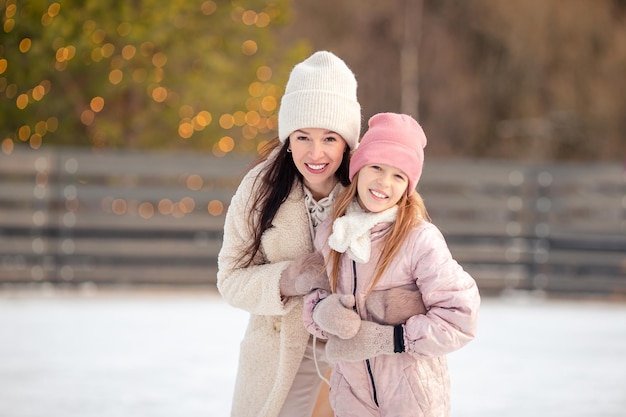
303	395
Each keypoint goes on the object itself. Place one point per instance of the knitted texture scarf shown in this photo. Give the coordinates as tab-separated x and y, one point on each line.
351	232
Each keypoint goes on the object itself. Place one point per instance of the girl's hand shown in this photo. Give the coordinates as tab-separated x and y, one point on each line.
371	340
335	316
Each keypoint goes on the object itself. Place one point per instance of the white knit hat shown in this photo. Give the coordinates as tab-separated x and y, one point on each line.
321	93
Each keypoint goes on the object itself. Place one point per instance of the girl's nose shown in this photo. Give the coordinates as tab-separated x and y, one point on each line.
384	179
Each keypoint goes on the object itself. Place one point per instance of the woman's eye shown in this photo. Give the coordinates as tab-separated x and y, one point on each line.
331	139
302	138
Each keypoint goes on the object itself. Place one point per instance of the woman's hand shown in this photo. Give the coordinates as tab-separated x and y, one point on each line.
303	275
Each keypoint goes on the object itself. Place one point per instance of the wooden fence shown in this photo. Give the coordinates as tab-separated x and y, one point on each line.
557	228
73	216
70	216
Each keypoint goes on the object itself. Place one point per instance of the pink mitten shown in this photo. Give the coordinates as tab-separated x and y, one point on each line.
335	316
395	305
304	274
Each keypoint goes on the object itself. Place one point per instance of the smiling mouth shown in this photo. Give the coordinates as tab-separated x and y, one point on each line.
316	167
378	194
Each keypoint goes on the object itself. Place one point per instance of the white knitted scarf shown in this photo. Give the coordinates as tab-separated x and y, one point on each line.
351	232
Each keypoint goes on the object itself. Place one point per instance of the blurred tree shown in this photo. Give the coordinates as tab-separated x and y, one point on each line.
520	79
554	78
143	73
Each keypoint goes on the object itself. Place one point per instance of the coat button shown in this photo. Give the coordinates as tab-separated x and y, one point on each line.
277	326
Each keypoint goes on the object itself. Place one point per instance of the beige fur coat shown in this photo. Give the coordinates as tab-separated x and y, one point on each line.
275	339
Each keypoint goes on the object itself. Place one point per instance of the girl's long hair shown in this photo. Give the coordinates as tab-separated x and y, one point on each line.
411	212
271	189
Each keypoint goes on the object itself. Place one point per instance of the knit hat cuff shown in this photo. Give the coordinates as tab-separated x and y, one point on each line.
320	109
389	153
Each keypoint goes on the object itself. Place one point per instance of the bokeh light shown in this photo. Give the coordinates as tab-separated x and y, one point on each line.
87	117
226	144
263	20
22	101
23	133
249	17
165	206
35	141
124	29
128	52
119	206
115	76
194	182
7	146
146	210
264	73
159	94
208	7
25	45
204	118
227	121
159	60
215	207
97	104
185	129
249	47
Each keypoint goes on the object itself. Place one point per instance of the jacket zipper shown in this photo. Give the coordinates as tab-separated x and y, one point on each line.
367	361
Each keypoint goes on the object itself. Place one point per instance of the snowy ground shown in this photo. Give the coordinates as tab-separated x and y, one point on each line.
164	354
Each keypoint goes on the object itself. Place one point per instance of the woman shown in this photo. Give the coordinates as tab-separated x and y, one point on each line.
271	221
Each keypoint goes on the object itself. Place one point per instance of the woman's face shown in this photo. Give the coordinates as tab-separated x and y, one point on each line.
317	154
380	187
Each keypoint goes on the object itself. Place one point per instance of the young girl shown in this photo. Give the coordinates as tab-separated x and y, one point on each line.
380	237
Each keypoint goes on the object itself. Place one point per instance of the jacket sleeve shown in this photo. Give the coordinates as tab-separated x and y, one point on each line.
310	302
255	288
450	295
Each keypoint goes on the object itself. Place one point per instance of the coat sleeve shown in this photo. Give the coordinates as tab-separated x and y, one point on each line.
450	295
255	288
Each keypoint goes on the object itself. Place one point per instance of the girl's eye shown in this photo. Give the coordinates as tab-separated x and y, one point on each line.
375	167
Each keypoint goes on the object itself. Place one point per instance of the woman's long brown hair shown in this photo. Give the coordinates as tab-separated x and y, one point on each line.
271	189
411	212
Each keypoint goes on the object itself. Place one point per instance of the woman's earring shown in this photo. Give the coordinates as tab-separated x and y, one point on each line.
288	150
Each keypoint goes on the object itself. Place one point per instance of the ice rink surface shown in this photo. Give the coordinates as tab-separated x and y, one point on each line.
174	353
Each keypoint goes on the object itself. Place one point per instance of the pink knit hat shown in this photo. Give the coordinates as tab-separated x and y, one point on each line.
392	139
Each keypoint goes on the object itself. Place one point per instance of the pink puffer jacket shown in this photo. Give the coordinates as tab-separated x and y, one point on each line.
415	383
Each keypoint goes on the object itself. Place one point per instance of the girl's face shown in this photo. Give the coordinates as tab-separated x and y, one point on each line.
380	187
317	154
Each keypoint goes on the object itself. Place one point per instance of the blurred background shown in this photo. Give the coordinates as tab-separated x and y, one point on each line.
125	127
